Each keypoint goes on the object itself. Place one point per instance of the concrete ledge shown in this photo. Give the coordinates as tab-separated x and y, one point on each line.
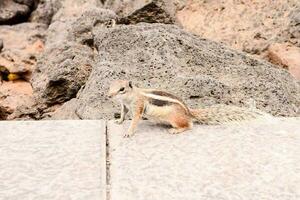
52	160
67	160
257	160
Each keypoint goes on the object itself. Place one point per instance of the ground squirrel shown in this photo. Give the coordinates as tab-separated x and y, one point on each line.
166	108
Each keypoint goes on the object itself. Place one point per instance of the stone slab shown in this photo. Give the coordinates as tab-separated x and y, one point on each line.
255	160
52	160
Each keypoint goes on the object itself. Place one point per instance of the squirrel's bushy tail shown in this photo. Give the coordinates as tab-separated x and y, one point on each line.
220	114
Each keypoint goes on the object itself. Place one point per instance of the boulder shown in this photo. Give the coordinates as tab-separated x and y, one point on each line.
68	57
153	11
73	8
15	11
29	3
15	94
294	26
200	71
49	11
61	72
3	113
286	55
23	44
45	11
66	111
244	25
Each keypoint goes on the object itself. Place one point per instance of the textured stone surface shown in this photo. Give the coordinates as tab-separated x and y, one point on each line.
3	113
250	26
199	71
14	11
23	43
68	57
286	55
52	160
258	160
45	11
73	8
14	94
150	11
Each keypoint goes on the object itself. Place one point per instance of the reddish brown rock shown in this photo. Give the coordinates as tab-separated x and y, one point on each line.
250	26
14	94
22	45
287	56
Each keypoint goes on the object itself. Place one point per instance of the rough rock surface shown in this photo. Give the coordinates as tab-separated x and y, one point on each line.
286	55
3	113
294	26
14	94
15	11
68	57
52	160
74	8
153	11
200	71
45	11
49	11
259	160
250	26
23	44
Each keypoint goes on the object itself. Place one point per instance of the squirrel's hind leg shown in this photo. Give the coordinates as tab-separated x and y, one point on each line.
180	124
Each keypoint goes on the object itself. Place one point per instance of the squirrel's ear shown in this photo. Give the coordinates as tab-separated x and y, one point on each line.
130	84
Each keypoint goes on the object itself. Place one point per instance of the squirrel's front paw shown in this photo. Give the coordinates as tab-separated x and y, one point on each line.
119	121
128	134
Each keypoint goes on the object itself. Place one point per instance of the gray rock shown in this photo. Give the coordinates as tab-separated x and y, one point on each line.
29	3
73	8
61	72
82	27
49	11
12	12
200	71
153	11
68	57
295	17
45	11
3	111
67	111
294	26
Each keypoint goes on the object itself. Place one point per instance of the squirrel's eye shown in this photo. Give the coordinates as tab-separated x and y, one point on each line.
122	89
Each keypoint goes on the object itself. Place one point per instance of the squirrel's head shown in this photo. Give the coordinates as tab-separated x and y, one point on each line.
120	88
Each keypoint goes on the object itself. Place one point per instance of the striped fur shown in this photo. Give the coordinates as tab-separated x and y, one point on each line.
165	98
